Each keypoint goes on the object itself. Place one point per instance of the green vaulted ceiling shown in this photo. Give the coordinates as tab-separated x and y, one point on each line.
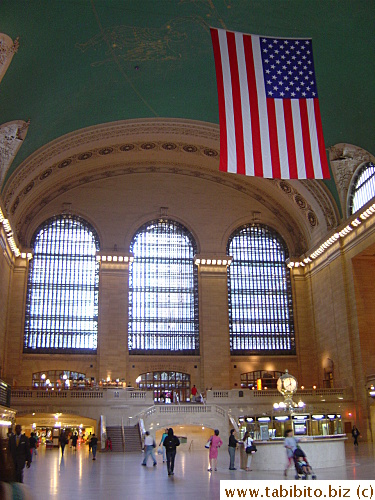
86	62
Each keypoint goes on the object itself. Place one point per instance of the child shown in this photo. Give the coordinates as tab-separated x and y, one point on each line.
303	466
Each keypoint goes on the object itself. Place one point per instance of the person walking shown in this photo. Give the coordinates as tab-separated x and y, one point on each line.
216	443
74	441
89	441
290	444
355	434
149	449
9	489
63	441
248	441
232	449
170	443
32	442
94	446
19	449
165	434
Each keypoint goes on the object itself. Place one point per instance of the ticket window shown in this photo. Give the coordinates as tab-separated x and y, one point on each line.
300	428
280	426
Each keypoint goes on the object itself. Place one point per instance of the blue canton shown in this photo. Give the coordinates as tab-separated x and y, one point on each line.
288	68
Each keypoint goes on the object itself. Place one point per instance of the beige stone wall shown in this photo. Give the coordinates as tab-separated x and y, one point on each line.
113	321
15	320
214	327
305	331
342	286
332	328
364	285
5	286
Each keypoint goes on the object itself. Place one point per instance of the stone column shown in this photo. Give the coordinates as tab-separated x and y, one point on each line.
15	325
113	318
214	323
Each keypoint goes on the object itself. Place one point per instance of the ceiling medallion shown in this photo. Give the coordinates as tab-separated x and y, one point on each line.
45	174
169	146
148	145
105	151
85	156
126	147
190	149
210	152
65	163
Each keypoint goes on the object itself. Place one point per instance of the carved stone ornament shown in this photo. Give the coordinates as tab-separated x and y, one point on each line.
345	159
11	137
7	50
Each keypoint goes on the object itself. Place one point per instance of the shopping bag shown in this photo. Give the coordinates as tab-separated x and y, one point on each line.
208	444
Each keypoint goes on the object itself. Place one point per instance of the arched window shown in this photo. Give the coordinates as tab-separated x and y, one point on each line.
62	289
362	188
168	387
60	379
163	291
260	379
259	292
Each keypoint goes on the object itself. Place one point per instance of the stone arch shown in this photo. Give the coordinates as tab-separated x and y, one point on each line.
345	160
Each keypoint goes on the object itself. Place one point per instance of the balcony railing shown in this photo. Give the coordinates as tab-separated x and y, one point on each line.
248	396
19	394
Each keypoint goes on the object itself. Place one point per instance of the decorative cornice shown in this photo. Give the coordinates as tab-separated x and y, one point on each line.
299	201
31	209
78	159
323	198
345	159
109	134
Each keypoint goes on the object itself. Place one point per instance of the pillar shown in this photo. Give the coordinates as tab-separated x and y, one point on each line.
113	317
214	322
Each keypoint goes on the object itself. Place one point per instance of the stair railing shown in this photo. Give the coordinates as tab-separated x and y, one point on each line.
122	434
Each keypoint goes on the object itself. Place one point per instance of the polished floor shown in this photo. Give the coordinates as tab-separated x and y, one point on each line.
117	476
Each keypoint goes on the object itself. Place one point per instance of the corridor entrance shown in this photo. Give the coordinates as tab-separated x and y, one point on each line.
167	386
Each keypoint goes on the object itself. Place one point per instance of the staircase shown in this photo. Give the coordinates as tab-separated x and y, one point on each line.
132	439
116	437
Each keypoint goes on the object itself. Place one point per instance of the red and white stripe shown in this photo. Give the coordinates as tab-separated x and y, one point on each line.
266	137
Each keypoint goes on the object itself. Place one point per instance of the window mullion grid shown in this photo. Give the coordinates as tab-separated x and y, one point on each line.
165	317
266	323
59	299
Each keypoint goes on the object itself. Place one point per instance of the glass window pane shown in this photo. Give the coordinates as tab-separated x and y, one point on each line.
163	291
62	290
362	188
259	293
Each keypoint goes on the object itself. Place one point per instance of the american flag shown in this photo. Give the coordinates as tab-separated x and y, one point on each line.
270	123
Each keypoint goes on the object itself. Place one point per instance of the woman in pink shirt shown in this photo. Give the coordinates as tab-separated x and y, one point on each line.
216	442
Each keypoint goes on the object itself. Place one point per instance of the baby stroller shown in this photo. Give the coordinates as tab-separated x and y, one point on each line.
303	468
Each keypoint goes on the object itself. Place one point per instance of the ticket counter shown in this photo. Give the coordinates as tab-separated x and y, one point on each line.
321	452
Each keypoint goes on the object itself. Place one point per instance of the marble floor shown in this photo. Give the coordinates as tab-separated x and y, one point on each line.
120	476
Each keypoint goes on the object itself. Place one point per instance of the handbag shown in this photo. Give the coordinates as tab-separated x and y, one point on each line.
251	449
208	444
160	450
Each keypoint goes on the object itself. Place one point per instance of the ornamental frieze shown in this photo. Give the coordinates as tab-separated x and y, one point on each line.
110	133
76	159
30	210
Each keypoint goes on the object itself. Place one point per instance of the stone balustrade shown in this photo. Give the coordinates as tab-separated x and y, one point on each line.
121	403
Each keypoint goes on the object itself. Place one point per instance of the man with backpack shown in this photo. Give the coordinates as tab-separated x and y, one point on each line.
171	442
